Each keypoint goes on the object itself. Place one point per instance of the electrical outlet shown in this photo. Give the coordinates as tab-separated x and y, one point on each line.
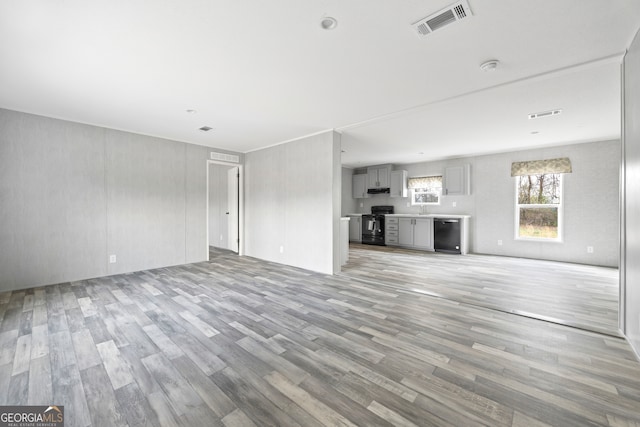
281	249
499	242
589	249
361	205
454	204
112	259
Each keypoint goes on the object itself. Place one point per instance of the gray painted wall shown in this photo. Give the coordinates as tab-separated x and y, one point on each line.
631	196
292	198
591	203
72	194
53	204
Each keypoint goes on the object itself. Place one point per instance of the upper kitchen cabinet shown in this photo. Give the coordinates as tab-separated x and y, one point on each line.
398	184
379	176
359	186
457	180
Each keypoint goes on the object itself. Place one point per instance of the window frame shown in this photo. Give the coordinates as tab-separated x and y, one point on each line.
559	206
413	193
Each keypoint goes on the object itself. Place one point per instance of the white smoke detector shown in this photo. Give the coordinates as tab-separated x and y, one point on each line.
490	65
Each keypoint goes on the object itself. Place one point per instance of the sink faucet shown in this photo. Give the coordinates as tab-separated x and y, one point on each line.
423	209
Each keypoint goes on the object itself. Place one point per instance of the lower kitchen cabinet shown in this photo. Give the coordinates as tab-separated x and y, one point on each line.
391	231
355	228
416	233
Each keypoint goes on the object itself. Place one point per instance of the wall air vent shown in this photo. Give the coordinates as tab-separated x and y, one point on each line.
225	157
544	114
444	17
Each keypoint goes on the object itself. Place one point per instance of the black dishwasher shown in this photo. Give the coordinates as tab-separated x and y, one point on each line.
446	235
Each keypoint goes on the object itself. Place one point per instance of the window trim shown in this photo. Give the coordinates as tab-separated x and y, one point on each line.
559	206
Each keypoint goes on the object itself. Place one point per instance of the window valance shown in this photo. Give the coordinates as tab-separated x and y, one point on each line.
424	182
559	165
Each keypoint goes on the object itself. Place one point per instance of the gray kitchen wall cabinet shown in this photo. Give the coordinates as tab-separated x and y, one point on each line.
457	181
398	184
379	176
359	183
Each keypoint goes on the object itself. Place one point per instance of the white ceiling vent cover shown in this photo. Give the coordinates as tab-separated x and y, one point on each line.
225	157
449	15
544	114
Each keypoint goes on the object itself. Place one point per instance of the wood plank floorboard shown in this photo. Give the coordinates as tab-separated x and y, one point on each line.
242	342
582	296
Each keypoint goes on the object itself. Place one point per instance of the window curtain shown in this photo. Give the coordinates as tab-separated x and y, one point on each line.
424	182
535	167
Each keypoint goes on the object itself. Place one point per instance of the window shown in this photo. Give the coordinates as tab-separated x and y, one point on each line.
425	190
539	206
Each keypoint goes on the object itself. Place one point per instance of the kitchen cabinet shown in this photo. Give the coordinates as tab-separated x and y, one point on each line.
456	181
391	231
379	176
416	233
359	186
355	228
398	184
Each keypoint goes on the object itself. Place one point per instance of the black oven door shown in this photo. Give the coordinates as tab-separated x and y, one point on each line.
373	229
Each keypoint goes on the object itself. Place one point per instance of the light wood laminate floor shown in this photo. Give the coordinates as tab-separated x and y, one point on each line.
578	295
242	342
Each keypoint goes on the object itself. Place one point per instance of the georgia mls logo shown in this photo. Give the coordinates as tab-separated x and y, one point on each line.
32	416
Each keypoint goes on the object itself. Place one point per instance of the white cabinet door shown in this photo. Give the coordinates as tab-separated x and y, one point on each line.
405	231
384	177
398	184
456	181
423	233
391	231
355	229
359	186
379	176
372	174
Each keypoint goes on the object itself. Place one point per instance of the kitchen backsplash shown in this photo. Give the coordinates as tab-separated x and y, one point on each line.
463	205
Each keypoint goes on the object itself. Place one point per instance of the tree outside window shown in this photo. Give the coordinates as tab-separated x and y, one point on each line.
426	190
539	206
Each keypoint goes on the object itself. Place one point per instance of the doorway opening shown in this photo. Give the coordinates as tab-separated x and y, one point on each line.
224	207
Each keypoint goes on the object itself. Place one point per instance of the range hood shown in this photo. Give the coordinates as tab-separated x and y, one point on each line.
379	191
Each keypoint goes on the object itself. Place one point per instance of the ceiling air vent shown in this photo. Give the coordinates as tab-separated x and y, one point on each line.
446	16
544	114
225	157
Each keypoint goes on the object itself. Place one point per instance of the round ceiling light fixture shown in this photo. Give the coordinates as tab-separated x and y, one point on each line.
490	65
328	23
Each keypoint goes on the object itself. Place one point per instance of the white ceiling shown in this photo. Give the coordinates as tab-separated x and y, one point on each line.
261	73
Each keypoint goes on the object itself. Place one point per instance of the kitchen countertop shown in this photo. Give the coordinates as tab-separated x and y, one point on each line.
429	215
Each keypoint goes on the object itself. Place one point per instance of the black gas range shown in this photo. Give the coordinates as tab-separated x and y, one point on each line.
373	225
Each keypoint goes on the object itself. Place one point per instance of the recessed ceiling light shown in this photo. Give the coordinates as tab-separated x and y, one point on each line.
421	152
490	65
535	132
205	128
190	111
328	23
